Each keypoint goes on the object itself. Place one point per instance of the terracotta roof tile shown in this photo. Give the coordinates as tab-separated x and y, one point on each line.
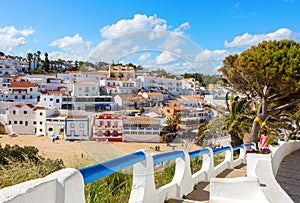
22	84
77	116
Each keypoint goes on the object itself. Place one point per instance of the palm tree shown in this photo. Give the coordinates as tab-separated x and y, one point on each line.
173	123
173	126
29	58
239	119
46	63
38	58
202	129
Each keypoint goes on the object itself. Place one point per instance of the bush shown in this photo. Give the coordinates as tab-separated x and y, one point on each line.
20	164
272	141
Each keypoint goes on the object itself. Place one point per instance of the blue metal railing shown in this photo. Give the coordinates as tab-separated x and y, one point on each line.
159	158
101	170
198	152
249	145
220	150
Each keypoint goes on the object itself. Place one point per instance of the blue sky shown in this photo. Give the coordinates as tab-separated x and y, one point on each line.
181	36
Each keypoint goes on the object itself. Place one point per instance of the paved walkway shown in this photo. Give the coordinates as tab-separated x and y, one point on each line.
288	175
201	192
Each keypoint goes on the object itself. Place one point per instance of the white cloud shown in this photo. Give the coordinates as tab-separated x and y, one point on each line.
12	31
247	40
213	56
74	45
165	58
145	56
139	22
12	38
183	26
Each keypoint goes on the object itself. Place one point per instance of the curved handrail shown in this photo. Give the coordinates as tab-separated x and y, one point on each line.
249	145
167	156
101	170
198	152
220	150
95	172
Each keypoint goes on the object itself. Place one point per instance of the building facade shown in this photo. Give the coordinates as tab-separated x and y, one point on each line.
108	127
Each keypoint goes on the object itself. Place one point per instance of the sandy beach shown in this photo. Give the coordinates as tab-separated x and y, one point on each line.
81	154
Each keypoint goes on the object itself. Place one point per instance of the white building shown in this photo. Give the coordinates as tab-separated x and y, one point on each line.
160	84
78	76
55	124
25	118
23	91
85	88
77	127
154	98
9	66
51	99
141	129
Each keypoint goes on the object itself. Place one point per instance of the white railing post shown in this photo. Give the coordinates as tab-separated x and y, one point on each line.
243	154
143	185
208	165
183	176
229	157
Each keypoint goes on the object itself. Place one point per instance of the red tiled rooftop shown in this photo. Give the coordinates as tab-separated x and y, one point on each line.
77	116
22	84
17	76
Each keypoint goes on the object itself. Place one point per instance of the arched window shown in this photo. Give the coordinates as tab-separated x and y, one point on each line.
115	133
107	133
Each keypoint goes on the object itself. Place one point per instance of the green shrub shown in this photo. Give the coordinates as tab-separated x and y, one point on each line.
272	141
20	164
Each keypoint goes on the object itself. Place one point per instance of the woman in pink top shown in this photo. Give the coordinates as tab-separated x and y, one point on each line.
264	140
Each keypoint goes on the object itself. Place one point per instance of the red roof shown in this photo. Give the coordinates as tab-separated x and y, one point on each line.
21	105
77	116
39	107
17	76
54	92
22	84
109	116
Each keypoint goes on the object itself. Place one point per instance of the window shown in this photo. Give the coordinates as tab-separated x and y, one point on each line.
15	122
25	112
57	100
82	133
21	122
50	129
81	125
16	96
30	89
41	130
14	112
30	97
51	99
41	123
34	122
26	123
41	113
72	132
9	122
72	125
44	99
